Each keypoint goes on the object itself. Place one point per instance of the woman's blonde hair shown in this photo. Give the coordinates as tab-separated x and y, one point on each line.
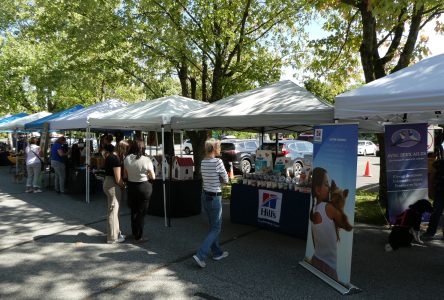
211	145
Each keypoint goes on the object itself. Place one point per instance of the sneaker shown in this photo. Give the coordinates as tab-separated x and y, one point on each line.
201	263
221	256
28	191
120	239
38	191
429	236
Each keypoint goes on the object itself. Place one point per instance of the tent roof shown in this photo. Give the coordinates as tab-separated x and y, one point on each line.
8	119
282	106
79	119
19	124
38	124
417	91
148	115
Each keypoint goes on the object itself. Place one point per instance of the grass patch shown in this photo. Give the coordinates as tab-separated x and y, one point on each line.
368	210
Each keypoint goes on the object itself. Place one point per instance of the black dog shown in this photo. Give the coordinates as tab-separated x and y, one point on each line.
407	225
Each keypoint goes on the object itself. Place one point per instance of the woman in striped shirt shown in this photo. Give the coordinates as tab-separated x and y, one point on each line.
213	174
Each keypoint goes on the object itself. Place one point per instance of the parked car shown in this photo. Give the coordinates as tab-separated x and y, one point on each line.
366	147
187	147
241	153
299	151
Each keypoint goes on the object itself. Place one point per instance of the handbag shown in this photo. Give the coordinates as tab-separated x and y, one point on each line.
42	164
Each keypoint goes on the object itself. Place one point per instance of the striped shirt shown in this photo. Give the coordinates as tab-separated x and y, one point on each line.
213	172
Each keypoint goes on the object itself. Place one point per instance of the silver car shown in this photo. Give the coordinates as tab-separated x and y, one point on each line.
299	151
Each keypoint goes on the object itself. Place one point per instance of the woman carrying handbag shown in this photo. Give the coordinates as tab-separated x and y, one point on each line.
33	166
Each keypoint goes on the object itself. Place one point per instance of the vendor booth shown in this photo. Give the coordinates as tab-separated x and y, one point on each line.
155	115
4	148
280	107
78	120
18	125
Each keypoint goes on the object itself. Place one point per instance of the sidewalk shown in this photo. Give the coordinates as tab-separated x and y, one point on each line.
53	246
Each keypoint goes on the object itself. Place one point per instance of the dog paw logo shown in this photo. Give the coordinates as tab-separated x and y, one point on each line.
405	138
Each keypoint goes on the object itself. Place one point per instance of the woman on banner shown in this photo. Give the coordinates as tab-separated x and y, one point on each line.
33	166
325	219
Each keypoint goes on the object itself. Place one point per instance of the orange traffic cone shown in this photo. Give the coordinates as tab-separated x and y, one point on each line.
231	173
367	172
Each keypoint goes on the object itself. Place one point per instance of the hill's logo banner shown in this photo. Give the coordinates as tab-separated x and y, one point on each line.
270	203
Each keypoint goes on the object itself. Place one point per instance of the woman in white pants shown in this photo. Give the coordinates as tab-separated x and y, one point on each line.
33	166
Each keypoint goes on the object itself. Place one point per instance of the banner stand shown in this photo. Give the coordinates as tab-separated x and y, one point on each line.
344	290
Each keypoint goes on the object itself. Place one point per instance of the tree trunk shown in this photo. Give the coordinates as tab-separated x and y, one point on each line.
193	83
204	79
367	44
216	89
198	139
183	77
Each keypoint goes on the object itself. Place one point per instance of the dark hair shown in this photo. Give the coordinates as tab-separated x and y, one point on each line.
317	178
33	140
109	148
61	140
137	148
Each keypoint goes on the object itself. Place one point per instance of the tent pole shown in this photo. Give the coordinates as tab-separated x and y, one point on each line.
277	147
16	152
87	161
169	185
181	143
163	176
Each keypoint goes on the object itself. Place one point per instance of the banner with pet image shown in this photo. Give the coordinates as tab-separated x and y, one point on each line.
330	237
406	160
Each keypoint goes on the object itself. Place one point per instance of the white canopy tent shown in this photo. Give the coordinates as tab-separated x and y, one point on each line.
151	115
19	124
147	115
413	94
279	107
79	120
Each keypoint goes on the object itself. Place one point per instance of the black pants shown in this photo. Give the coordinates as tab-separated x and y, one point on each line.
139	195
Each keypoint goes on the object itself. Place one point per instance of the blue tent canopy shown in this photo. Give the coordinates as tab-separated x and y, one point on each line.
38	124
12	118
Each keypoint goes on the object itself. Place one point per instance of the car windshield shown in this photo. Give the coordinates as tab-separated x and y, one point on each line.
271	146
361	143
227	146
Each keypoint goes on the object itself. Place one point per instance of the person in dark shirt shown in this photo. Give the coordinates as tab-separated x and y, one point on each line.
438	200
58	159
112	187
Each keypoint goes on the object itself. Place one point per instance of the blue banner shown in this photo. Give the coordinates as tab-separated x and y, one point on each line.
406	161
330	237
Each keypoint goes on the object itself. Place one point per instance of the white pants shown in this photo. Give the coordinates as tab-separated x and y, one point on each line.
33	175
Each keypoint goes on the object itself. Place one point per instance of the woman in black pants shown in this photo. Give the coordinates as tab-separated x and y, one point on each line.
139	170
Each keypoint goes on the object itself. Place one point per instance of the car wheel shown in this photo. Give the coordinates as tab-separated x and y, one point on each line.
297	168
245	166
187	150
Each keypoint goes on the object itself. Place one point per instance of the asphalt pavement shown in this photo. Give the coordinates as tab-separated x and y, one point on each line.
54	246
